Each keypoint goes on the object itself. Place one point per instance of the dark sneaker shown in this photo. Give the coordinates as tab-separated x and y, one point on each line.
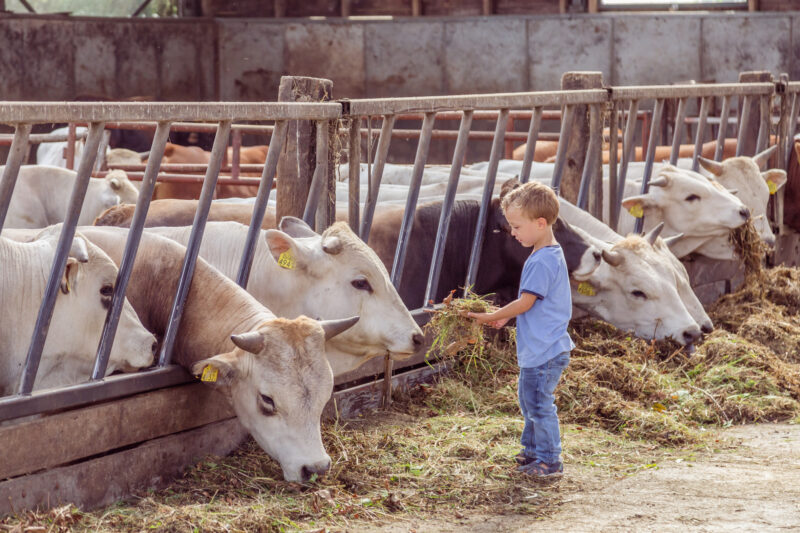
522	459
542	470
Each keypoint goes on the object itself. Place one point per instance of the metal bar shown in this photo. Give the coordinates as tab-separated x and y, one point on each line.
792	127
411	202
129	255
590	164
377	174
197	127
38	138
547	114
191	168
645	132
561	152
112	387
262	197
141	8
627	155
70	148
743	123
530	147
60	259
476	135
236	155
700	133
723	127
613	146
676	134
16	155
27	6
646	92
447	209
354	174
319	179
763	128
195	237
185	178
651	153
100	161
509	151
488	188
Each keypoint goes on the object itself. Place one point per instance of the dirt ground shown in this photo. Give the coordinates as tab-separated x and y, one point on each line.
751	483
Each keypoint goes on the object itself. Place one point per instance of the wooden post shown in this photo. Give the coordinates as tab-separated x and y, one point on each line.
562	6
755	120
280	8
298	158
593	6
346	10
582	132
752	5
487	7
416	8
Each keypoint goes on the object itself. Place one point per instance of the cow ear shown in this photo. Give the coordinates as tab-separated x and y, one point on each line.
70	278
286	251
509	186
775	178
114	182
220	370
636	205
296	227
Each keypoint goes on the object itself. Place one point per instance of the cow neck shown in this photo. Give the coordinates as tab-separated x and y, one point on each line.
25	270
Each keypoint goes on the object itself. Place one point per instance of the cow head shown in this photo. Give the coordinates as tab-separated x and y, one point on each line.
121	186
278	383
336	275
635	289
752	186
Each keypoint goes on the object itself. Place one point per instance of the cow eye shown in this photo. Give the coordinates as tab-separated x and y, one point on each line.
692	198
106	291
266	405
361	284
639	294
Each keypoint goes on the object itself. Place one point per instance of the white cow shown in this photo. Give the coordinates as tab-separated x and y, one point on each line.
42	195
52	153
78	316
329	276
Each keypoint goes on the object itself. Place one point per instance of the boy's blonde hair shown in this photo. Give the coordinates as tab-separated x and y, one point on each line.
534	200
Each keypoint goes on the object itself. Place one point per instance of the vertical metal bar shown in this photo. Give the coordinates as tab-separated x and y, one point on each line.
70	149
530	147
195	238
17	152
561	153
488	189
100	162
354	177
377	173
743	123
413	195
792	128
766	119
320	179
509	153
645	130
701	130
60	259
723	127
447	208
262	197
236	149
627	155
590	163
651	153
680	116
131	246
612	162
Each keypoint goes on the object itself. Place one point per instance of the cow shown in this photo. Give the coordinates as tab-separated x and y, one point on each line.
272	370
78	316
42	194
333	275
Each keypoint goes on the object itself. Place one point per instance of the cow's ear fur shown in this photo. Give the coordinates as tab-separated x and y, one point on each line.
70	278
114	182
279	242
776	176
225	366
296	227
644	201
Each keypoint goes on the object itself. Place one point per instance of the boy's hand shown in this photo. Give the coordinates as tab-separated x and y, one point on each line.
487	318
499	323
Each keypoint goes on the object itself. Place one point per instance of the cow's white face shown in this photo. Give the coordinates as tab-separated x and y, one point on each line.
635	290
688	203
278	382
121	186
336	275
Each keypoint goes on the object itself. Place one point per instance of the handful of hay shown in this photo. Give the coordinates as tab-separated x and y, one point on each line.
453	331
750	248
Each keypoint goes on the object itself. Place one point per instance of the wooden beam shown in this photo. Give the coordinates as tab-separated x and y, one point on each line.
562	6
488	8
416	8
280	8
752	5
593	6
346	8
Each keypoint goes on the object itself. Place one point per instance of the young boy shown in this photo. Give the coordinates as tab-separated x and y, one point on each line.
543	310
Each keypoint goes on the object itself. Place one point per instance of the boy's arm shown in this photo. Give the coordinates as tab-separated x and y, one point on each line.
517	307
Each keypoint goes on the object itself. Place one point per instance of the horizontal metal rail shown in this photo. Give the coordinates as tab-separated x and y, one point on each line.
649	92
190	168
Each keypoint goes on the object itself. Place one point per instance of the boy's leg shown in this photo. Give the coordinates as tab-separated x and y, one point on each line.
543	410
526	389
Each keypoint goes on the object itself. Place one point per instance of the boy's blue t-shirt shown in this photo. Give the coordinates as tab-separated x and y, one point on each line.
542	330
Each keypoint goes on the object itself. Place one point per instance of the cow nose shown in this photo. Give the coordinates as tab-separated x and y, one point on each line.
417	339
745	213
708	327
691	335
319	469
596	256
770	241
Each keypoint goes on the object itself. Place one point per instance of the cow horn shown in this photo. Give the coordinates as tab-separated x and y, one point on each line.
334	327
761	158
670	241
144	155
78	250
660	181
653	234
715	167
331	245
252	341
612	258
295	227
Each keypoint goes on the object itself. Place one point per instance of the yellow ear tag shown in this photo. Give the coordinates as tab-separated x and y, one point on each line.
636	210
772	187
586	288
209	373
286	260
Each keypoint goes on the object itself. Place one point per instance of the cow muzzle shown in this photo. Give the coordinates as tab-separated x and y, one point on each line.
320	468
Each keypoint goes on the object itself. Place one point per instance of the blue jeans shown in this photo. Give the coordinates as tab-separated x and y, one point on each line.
541	439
